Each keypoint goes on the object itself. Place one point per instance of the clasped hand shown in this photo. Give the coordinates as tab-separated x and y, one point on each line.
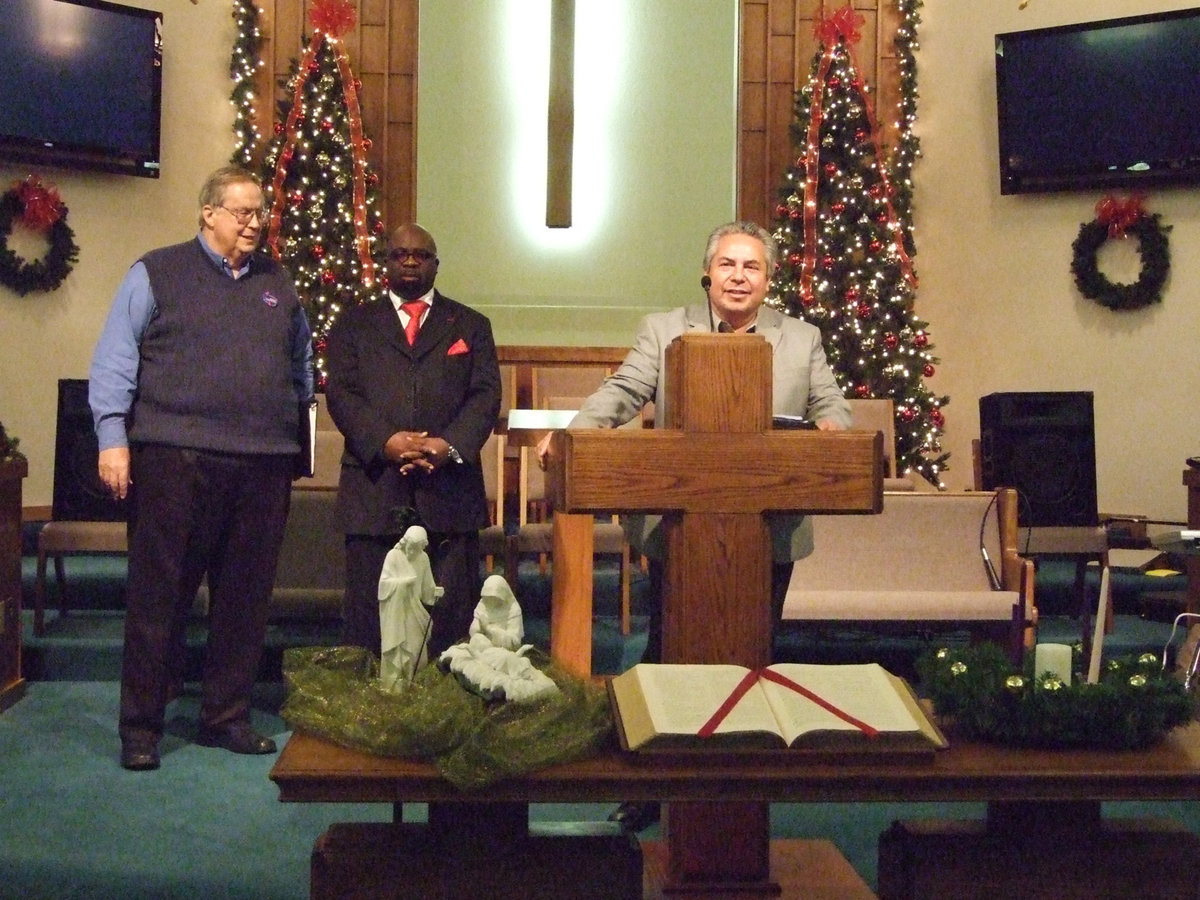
416	450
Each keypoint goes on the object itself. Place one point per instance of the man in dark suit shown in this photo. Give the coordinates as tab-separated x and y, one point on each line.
414	387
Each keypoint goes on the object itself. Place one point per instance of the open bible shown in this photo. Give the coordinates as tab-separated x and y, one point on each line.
726	707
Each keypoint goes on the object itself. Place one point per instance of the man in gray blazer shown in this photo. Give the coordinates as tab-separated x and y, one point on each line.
738	262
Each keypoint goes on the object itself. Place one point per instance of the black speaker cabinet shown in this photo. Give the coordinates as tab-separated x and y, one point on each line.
1043	444
79	495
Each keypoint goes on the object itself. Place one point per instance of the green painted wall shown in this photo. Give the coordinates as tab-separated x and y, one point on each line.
654	171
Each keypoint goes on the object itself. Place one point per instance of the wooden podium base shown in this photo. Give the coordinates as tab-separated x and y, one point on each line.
384	861
964	860
813	870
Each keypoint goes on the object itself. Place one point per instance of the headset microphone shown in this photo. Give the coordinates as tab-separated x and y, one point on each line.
706	282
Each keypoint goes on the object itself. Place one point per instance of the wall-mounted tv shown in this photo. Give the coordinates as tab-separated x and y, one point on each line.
81	85
1099	105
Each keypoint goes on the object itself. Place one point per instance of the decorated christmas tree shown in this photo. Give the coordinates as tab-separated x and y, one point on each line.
845	249
324	225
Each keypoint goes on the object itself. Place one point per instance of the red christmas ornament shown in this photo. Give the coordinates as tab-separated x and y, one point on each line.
377	228
327	277
796	214
890	340
875	245
781	210
936	417
863	391
279	128
828	262
929	370
314	67
319	344
920	339
795	259
835	82
838	207
318	251
876	190
366	143
864	310
860	135
830	169
852	294
907	414
882	218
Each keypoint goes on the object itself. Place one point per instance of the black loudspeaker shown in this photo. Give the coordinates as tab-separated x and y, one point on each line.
1044	445
79	495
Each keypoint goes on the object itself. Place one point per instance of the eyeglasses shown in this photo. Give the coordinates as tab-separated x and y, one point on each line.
402	253
243	216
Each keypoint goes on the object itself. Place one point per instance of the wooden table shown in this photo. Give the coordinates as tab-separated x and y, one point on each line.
1046	802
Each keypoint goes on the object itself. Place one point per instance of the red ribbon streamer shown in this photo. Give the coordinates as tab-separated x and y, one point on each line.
1120	215
842	24
292	130
42	206
710	727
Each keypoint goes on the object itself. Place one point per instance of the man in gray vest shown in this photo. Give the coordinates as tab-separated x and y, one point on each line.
195	390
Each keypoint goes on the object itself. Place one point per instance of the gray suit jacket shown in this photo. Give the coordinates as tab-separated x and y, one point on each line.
802	385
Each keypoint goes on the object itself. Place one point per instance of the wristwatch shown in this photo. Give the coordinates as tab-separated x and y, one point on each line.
454	455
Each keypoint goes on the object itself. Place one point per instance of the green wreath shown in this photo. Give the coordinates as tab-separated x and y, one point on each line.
1156	264
44	274
977	693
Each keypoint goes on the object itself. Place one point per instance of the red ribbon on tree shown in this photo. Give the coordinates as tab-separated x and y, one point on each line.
841	24
1118	214
42	205
334	17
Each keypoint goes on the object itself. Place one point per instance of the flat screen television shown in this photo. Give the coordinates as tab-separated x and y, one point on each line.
1099	105
81	85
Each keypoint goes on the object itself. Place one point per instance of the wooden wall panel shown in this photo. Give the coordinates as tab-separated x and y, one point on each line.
382	48
777	48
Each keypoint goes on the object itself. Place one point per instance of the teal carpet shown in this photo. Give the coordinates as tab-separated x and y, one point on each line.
209	824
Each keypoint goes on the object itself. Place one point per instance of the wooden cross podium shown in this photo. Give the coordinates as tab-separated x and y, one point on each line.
713	473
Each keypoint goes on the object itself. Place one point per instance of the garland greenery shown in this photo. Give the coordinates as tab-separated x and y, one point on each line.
36	206
8	446
978	694
1152	248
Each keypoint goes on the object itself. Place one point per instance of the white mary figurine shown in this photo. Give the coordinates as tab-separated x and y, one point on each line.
406	591
493	657
498	615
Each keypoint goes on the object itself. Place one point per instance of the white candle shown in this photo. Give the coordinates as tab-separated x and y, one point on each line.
1053	658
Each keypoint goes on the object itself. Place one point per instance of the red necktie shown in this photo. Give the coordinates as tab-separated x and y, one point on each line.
415	309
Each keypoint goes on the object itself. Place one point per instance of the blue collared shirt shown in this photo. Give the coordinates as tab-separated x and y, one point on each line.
112	381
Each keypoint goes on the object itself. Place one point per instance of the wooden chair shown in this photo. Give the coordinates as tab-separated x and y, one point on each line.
535	531
493	541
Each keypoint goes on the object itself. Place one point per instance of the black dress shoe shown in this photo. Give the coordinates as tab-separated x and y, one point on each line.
237	738
635	817
139	758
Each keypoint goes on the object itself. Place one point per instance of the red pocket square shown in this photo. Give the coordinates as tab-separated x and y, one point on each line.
458	347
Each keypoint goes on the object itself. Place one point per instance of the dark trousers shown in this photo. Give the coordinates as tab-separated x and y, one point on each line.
454	559
781	575
194	514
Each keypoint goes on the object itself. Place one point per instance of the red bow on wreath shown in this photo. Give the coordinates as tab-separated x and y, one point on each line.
42	205
1119	215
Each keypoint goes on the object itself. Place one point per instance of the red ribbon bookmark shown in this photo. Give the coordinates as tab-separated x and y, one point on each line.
709	728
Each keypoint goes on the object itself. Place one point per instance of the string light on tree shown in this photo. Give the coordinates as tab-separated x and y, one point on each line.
243	68
843	224
324	225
